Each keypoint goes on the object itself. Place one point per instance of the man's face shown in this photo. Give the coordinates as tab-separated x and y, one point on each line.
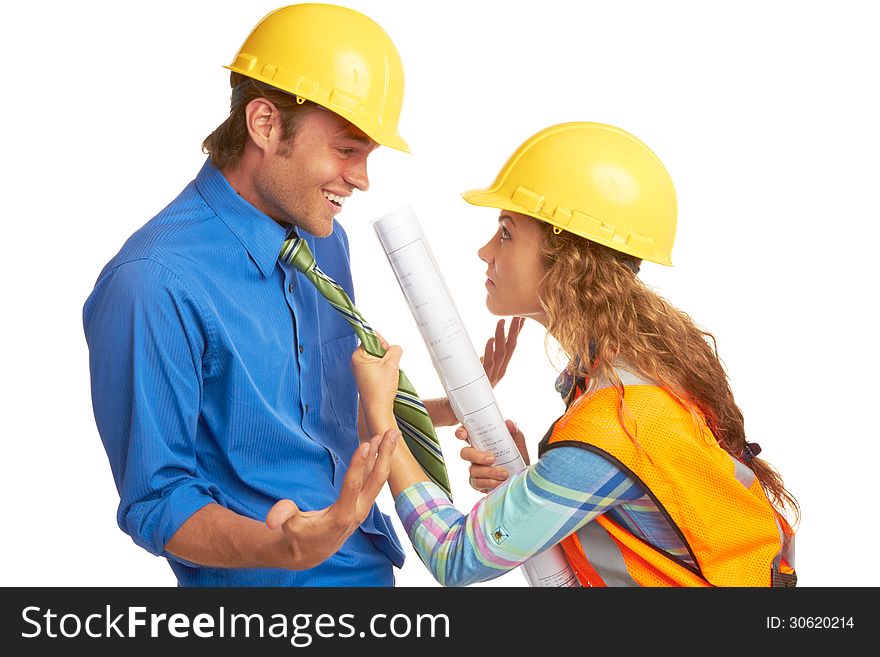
306	180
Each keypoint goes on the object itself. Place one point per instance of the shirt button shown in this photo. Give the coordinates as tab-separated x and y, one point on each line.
290	288
307	408
335	458
300	349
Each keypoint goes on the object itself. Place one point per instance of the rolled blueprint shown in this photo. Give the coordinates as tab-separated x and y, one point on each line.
458	366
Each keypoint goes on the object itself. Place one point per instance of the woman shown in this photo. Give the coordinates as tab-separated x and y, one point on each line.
647	479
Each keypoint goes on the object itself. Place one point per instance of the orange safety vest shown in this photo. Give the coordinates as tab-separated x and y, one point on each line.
713	501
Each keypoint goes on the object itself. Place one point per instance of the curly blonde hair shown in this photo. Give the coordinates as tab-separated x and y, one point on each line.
606	314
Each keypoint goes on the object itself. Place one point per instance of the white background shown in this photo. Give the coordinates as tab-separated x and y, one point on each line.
765	114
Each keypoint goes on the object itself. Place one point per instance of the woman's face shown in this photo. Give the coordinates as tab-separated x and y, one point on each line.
513	256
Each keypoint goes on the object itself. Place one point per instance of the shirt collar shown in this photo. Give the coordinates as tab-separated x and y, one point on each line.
258	232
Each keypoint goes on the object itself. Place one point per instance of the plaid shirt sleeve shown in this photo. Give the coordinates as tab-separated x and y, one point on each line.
530	512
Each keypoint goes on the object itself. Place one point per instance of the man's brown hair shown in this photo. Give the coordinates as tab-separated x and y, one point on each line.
226	144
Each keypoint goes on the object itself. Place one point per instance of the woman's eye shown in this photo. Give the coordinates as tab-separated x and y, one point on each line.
504	234
345	151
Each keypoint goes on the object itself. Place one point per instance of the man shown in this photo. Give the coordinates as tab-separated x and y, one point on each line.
220	377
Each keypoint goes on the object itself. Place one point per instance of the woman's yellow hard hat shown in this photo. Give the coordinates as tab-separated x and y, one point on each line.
335	57
593	180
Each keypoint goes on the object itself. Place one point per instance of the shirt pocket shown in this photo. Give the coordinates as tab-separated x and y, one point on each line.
340	389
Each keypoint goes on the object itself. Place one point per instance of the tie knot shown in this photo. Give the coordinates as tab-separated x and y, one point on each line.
296	251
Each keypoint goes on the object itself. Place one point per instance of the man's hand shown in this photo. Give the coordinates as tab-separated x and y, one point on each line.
309	537
484	477
500	349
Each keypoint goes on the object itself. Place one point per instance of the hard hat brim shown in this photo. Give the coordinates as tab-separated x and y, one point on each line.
389	139
491	198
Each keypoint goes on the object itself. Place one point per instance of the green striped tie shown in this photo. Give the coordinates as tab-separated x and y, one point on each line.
412	416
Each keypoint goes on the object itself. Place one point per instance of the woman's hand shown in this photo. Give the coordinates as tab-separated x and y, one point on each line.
484	477
496	356
500	349
377	378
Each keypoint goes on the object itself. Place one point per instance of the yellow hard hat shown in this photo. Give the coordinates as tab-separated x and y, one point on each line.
593	180
333	56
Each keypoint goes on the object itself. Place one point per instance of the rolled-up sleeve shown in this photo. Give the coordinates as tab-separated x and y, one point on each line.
148	342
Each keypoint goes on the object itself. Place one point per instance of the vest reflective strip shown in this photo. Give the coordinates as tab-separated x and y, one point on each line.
743	473
604	555
746	477
627	378
786	551
778	558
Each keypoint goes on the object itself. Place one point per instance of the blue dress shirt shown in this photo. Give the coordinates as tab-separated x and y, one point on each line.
220	375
